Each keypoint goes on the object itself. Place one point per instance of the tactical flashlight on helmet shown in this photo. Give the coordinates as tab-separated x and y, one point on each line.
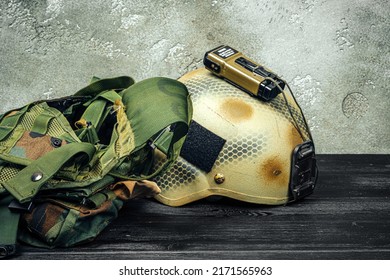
239	70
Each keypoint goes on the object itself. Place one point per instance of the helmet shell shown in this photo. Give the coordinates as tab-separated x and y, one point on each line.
254	164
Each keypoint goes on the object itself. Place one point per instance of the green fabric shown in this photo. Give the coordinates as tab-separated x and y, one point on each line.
23	188
98	86
72	201
94	113
149	116
42	123
72	228
9	222
88	134
78	194
9	123
97	109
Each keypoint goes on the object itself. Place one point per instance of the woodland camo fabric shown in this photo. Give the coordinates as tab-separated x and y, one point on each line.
76	160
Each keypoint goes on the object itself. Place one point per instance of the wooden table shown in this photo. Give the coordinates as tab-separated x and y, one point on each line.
348	217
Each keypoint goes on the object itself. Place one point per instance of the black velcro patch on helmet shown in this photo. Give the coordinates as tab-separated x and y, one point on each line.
201	147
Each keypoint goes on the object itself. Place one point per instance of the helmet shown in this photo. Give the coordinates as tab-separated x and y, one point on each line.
240	147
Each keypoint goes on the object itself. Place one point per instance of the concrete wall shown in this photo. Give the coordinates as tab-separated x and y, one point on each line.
334	54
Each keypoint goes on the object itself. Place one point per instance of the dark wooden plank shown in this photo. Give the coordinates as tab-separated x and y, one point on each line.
348	217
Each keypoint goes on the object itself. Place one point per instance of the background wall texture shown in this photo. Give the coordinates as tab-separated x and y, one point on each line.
334	54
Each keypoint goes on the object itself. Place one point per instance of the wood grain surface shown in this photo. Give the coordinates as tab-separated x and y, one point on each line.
347	217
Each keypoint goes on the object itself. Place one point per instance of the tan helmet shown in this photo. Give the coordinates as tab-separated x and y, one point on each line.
240	147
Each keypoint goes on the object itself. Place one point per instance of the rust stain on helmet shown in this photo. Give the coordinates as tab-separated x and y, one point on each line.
273	170
236	110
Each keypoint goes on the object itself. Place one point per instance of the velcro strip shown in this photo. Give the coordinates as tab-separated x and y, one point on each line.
201	147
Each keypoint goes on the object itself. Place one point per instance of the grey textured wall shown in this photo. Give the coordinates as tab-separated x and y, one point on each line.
334	54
